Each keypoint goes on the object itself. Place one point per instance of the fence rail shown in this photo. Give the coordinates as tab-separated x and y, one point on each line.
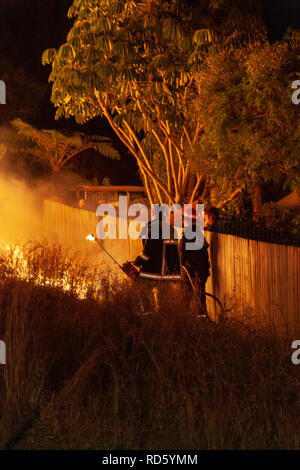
259	232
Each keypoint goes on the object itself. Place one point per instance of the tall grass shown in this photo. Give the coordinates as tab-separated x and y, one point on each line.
89	373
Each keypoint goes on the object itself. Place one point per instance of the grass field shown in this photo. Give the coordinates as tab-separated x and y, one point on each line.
85	372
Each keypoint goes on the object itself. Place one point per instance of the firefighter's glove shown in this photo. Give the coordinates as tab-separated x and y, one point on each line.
131	270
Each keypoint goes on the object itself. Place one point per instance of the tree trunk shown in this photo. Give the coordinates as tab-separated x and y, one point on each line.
190	185
212	196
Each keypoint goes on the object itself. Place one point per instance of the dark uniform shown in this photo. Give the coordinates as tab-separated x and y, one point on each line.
150	261
151	258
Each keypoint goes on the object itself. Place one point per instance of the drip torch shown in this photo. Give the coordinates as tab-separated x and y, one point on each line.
129	268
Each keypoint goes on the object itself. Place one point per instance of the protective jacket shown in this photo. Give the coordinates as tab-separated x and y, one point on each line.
150	261
196	261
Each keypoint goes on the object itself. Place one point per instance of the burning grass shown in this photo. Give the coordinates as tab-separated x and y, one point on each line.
47	265
87	372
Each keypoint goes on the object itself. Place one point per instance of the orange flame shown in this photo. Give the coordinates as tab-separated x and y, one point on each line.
91	237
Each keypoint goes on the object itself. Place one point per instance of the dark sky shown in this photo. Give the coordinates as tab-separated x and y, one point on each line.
279	14
27	27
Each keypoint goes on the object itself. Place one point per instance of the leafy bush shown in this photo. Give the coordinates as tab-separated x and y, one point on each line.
280	218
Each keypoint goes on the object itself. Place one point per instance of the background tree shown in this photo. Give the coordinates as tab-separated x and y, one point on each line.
2	150
55	148
251	132
23	94
134	64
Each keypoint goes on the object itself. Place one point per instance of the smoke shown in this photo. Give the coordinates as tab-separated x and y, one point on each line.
22	192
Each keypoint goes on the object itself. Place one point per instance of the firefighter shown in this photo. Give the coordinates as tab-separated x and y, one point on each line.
150	260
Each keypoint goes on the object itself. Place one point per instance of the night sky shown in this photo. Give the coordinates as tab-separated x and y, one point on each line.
28	27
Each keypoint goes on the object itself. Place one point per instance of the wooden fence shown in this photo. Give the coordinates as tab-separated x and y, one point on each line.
255	280
70	226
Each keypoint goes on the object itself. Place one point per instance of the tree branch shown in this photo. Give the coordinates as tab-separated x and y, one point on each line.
198	181
144	156
126	142
232	196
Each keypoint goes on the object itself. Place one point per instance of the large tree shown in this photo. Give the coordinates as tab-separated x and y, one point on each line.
133	62
251	134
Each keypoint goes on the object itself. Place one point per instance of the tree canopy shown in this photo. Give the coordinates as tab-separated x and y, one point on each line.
134	62
252	130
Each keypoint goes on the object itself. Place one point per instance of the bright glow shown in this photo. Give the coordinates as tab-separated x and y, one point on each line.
91	237
17	266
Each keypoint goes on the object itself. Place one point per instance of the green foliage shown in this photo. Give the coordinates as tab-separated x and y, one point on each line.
106	181
135	51
296	225
293	36
55	148
251	128
134	62
280	218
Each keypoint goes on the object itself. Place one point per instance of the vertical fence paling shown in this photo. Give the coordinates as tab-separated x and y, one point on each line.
70	226
256	278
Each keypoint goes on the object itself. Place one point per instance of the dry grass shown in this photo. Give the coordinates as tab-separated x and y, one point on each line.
89	373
